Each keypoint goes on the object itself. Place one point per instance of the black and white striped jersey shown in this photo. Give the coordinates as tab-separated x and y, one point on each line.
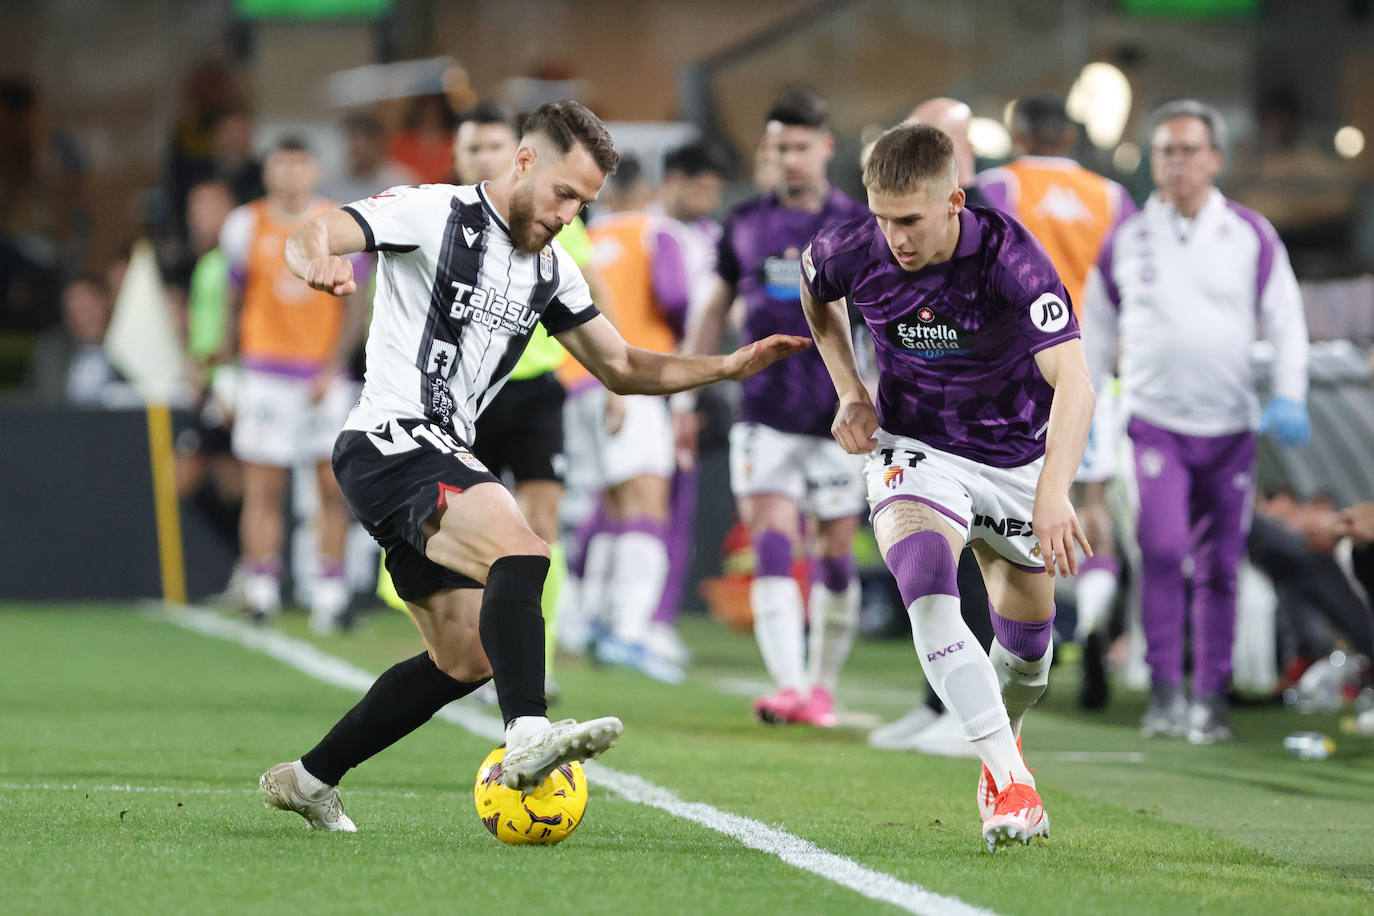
454	306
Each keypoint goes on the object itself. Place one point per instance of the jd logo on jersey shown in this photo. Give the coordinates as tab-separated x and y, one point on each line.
1049	313
927	335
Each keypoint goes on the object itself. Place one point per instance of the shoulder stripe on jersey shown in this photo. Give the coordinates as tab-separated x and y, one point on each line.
371	240
460	261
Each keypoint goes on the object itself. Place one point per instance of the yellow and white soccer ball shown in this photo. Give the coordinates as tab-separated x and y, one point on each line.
543	816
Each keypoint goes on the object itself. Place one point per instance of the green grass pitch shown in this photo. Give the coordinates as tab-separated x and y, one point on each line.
130	749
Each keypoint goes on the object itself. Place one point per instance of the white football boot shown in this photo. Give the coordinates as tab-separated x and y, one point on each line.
536	747
280	788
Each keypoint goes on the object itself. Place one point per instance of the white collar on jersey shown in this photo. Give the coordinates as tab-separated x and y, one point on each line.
491	208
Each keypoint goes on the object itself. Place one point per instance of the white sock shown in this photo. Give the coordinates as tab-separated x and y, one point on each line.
963	677
1094	593
834	620
328	597
596	578
570	622
641	571
777	606
1022	682
522	727
308	782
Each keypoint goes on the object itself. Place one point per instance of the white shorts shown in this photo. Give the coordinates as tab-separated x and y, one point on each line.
275	424
1104	439
598	459
981	502
813	471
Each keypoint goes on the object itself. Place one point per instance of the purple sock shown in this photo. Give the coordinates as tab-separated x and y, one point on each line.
331	569
264	567
923	565
1028	641
684	505
577	557
1101	561
772	554
650	526
836	573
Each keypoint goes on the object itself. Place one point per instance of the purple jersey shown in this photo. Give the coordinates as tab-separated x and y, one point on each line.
760	256
956	340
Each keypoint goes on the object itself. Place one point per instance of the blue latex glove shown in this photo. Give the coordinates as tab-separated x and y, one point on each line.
1286	421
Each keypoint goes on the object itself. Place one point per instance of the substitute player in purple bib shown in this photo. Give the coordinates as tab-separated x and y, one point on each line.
984	405
464	273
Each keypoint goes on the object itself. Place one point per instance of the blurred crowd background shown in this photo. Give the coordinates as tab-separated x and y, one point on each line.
129	129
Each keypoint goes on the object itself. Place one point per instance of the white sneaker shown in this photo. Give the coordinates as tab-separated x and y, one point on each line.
280	788
946	738
897	736
328	606
530	757
663	640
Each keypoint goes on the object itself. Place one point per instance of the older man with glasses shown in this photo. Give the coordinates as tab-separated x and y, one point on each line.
1180	293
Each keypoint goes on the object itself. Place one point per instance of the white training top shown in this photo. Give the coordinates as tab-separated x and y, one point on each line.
1182	303
455	304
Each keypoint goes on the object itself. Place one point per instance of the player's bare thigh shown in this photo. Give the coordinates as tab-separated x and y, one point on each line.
642	496
770	512
902	518
835	536
477	527
1089	500
538	501
447	621
1017	594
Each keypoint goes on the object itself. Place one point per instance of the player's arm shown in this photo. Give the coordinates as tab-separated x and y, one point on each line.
856	420
633	370
1284	325
1071	412
703	330
315	252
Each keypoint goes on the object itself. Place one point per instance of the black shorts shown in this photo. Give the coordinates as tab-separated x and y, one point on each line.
521	432
394	478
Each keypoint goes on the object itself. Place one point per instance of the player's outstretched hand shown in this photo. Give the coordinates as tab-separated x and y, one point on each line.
761	354
854	426
1056	525
332	274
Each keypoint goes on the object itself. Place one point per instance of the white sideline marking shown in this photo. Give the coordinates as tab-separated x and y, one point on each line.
791	849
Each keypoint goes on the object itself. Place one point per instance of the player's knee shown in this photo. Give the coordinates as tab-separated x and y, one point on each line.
1159	547
923	564
462	661
524	544
772	553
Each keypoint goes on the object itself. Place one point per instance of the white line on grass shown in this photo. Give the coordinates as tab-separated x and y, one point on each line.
791	849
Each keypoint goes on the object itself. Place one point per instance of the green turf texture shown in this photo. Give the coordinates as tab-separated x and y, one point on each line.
98	697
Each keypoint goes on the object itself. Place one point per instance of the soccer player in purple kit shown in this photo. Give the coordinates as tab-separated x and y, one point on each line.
984	405
782	459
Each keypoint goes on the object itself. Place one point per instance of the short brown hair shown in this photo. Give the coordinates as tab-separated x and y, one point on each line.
566	123
907	155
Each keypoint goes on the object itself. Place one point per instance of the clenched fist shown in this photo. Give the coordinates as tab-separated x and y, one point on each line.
333	274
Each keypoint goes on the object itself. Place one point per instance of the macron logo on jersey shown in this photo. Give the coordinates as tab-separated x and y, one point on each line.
486	307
